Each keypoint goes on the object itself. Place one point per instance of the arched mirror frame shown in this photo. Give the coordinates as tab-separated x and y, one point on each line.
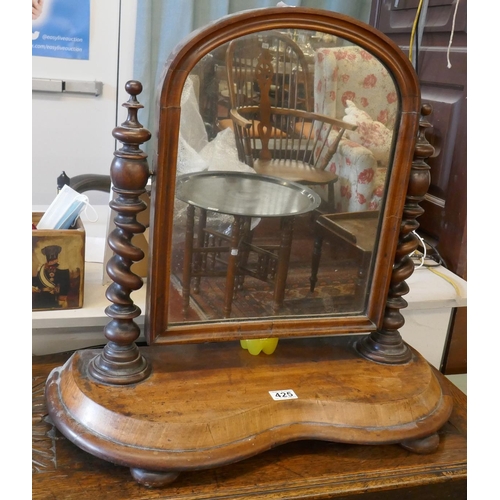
181	62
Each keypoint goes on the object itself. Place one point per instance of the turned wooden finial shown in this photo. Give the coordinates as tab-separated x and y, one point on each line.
386	345
121	362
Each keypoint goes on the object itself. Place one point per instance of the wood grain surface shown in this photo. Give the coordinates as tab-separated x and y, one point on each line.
304	469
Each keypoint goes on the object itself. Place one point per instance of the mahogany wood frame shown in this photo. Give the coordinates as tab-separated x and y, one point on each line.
180	63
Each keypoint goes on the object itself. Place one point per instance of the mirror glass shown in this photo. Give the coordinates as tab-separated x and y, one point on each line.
250	239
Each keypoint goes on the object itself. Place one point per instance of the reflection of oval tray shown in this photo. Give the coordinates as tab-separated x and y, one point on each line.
246	194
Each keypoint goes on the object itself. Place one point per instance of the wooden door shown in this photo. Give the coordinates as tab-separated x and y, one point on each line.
444	86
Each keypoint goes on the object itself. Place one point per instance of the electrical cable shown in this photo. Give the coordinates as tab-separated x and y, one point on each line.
422	19
422	259
425	257
448	279
437	264
440	259
451	35
414	29
417	45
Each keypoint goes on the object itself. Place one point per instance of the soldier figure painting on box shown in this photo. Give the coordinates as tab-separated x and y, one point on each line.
51	285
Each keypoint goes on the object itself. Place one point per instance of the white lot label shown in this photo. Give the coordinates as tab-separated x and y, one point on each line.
280	395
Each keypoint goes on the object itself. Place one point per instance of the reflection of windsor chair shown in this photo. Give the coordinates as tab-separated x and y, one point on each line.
276	132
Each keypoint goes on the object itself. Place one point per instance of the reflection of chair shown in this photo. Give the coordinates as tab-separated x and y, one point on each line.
275	133
357	231
350	83
291	81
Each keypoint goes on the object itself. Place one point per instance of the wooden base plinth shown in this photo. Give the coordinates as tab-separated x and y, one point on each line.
206	405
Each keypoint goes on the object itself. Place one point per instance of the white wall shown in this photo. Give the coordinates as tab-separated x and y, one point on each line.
72	132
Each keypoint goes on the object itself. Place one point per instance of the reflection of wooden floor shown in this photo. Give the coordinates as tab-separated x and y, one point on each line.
334	291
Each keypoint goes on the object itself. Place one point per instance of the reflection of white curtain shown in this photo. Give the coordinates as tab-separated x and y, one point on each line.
196	153
162	24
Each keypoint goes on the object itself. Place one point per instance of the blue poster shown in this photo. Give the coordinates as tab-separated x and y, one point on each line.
60	28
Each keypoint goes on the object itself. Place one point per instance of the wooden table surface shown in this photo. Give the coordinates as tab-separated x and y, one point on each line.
308	469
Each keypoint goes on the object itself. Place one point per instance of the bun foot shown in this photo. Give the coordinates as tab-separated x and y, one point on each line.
422	446
153	479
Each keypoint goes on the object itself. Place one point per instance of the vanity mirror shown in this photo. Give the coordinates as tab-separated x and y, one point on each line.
284	193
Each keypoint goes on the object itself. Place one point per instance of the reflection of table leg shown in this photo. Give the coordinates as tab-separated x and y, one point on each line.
283	262
195	254
188	258
331	195
316	257
232	264
246	239
199	258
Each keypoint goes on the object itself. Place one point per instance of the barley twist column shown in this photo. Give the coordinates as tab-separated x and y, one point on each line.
386	345
121	362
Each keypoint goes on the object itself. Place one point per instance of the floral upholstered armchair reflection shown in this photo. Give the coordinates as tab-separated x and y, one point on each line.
351	84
